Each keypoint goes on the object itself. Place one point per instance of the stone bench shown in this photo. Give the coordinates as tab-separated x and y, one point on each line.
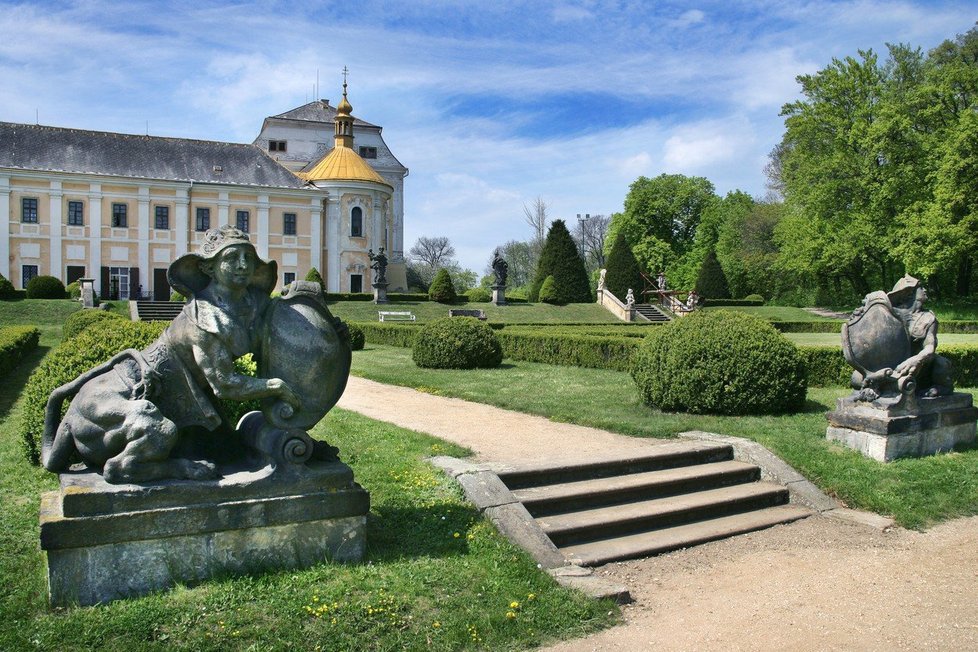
386	315
467	312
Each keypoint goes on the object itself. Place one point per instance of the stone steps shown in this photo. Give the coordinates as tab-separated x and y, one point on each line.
651	312
157	310
676	495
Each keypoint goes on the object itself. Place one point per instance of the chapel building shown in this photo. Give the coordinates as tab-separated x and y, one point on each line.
119	208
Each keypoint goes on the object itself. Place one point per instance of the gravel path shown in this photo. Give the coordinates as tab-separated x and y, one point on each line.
818	584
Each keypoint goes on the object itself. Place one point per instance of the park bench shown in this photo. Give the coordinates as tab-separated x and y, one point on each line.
386	315
467	312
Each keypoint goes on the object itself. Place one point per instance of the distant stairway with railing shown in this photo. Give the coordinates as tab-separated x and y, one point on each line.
651	312
157	310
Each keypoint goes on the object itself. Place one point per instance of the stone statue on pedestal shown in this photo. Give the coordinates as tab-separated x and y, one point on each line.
378	263
500	270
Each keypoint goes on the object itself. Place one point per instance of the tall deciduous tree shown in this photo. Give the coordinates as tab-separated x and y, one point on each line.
561	259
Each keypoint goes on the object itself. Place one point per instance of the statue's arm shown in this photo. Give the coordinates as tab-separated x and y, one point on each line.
218	367
927	351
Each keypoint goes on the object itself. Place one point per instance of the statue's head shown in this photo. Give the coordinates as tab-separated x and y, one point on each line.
224	253
908	293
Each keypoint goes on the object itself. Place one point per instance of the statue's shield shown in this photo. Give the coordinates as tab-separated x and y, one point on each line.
301	346
876	339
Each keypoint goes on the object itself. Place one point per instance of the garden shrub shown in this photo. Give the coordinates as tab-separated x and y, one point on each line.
15	343
548	291
441	289
569	349
624	272
45	287
315	277
479	295
176	297
7	291
73	290
712	303
79	321
561	259
754	297
88	349
720	362
456	343
357	339
390	334
712	282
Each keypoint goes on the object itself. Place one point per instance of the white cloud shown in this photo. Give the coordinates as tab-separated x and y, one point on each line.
691	17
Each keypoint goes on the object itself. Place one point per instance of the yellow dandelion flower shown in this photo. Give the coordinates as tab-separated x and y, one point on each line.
456	535
514	605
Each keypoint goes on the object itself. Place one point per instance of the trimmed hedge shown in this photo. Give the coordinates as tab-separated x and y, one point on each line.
89	349
79	321
45	287
7	291
712	303
355	333
835	326
720	363
456	343
594	352
15	343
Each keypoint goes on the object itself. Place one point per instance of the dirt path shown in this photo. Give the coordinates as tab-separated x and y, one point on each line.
818	584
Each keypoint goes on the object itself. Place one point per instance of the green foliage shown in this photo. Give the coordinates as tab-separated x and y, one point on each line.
479	295
720	362
548	291
711	283
356	336
442	290
79	321
755	298
577	349
7	291
623	269
733	302
176	297
45	287
389	334
73	290
561	259
314	276
457	343
15	343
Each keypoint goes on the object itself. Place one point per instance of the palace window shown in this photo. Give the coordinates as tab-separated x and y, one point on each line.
27	273
356	282
368	152
120	215
288	277
277	145
76	213
356	222
203	219
288	223
162	217
28	210
243	220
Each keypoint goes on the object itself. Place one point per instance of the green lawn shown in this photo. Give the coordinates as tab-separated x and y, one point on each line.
514	313
775	313
834	339
436	575
916	492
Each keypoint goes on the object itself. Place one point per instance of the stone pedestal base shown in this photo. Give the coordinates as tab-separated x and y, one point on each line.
104	542
499	295
380	293
918	427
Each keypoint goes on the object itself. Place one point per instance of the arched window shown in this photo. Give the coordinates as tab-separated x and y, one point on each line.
356	222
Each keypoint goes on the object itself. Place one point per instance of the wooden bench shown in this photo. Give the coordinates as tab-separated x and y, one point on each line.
385	315
467	312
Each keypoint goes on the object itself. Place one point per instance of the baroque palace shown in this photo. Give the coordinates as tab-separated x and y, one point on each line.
317	188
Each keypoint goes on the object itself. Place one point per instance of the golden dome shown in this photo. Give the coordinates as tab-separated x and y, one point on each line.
343	164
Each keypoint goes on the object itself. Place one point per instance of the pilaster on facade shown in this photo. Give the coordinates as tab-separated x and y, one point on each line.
142	215
378	239
316	233
56	195
5	226
95	239
263	227
222	208
333	242
180	221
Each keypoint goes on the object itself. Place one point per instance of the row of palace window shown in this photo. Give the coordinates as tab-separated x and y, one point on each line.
283	145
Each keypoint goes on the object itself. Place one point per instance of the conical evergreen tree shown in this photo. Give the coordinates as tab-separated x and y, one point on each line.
561	259
712	282
315	277
442	289
623	269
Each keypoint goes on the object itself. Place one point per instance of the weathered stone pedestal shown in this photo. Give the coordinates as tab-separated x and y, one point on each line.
499	295
104	542
380	293
913	427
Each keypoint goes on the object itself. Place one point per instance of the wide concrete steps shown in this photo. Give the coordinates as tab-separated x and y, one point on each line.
651	312
675	496
158	310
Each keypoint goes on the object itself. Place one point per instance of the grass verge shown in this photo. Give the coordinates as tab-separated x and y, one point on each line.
916	492
436	576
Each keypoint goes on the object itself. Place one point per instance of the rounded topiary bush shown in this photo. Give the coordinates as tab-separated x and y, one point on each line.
720	362
73	290
45	287
548	291
79	321
357	338
754	297
442	290
7	291
478	295
457	343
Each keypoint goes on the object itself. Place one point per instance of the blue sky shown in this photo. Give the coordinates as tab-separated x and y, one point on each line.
490	104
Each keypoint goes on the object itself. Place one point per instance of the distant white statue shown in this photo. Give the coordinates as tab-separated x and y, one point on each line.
629	298
601	285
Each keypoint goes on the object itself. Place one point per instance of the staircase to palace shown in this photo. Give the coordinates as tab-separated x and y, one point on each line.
675	497
157	310
651	312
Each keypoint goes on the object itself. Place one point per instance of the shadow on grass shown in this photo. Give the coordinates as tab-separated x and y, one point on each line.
14	383
408	532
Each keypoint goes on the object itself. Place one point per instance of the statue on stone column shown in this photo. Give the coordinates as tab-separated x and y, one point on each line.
378	263
142	415
500	269
891	343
